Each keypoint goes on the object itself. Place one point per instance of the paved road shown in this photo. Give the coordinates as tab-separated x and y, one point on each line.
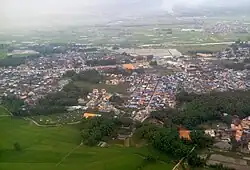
150	101
204	44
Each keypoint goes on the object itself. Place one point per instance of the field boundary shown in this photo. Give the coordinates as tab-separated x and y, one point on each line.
10	114
68	154
55	125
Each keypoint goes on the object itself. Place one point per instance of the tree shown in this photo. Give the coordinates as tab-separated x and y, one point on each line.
150	57
153	63
17	146
96	129
126	121
116	99
195	161
199	138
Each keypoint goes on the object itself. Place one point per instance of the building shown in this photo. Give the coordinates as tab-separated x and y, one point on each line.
184	134
89	115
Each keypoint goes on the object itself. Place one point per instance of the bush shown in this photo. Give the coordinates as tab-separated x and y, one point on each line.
17	146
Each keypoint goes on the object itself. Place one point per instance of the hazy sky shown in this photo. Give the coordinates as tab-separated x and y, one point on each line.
30	11
21	8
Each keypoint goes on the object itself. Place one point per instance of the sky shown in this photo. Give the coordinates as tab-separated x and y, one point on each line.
27	8
31	11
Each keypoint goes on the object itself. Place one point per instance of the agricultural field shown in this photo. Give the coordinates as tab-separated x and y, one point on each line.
185	49
3	54
3	112
57	148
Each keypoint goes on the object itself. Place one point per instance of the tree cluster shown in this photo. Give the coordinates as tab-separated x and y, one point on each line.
116	100
90	76
199	109
101	62
13	104
153	63
98	129
16	61
57	102
167	140
117	71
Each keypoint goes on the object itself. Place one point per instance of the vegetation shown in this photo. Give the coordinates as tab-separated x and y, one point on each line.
194	110
91	76
13	104
167	140
93	63
57	148
153	63
199	109
116	100
3	54
98	129
15	61
209	49
17	146
55	103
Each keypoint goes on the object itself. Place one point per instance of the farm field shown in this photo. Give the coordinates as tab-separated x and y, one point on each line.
3	54
57	148
3	112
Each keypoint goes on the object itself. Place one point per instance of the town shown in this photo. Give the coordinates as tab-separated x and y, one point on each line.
85	82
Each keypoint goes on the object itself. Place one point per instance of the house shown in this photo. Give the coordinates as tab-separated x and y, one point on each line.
81	101
87	115
184	134
72	108
210	132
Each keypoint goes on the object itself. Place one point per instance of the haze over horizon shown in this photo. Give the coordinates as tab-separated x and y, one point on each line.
37	12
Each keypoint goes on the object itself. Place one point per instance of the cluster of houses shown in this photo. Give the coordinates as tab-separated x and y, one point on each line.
225	27
99	99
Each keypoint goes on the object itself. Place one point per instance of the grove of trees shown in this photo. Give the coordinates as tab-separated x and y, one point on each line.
167	140
98	129
90	76
101	62
199	109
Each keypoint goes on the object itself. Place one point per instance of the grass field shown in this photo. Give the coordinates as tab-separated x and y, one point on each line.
3	111
49	148
3	54
211	48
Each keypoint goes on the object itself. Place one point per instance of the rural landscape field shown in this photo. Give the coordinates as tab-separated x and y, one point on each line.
125	85
53	148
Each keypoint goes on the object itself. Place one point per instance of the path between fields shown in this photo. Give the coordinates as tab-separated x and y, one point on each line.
7	110
5	115
61	161
161	161
37	124
179	163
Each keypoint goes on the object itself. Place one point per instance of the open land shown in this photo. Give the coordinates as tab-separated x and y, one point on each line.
161	30
46	148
